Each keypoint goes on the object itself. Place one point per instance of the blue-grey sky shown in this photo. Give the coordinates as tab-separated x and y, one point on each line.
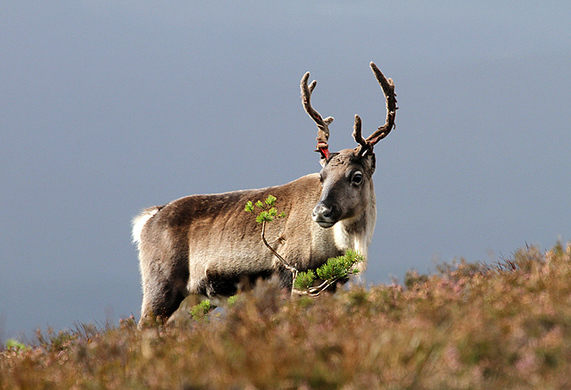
111	106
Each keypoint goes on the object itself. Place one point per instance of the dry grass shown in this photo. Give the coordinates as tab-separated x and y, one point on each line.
466	327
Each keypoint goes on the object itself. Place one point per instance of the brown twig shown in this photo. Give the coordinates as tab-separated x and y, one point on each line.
283	262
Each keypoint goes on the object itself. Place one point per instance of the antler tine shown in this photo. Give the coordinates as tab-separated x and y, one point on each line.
388	87
322	124
364	146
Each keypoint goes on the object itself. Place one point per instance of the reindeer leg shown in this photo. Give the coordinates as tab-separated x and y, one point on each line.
164	288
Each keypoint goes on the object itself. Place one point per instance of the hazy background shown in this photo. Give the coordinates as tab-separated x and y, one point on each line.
107	107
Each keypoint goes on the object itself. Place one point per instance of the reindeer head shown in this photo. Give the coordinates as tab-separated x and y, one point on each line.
346	176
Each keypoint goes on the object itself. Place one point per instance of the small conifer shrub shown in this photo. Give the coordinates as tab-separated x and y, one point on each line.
335	269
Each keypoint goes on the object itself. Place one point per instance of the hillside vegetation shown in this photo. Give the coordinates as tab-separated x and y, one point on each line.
468	326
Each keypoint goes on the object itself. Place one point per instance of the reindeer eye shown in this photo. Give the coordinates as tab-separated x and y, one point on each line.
357	178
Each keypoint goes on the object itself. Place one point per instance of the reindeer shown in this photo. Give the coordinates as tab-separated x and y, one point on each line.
206	244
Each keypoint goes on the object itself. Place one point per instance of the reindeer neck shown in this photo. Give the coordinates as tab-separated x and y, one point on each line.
357	232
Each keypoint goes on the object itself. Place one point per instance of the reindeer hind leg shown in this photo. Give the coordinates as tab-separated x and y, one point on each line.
164	288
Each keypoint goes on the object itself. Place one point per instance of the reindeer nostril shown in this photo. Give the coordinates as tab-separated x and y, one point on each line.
322	211
325	216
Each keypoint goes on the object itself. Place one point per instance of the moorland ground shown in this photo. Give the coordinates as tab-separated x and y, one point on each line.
467	326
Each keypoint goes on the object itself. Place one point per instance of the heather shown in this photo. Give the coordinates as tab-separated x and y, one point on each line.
466	326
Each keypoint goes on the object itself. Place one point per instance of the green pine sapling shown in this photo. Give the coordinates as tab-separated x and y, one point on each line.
267	214
333	270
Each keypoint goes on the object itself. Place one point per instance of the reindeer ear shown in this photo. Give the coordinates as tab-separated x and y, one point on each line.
371	161
323	162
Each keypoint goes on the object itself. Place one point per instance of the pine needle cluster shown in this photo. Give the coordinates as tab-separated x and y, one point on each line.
336	268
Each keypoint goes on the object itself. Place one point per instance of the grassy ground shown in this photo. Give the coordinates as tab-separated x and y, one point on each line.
469	326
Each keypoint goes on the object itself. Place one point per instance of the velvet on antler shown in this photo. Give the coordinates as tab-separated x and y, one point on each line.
322	124
388	86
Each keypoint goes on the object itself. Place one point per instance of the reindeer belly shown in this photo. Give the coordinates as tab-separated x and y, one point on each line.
225	284
218	264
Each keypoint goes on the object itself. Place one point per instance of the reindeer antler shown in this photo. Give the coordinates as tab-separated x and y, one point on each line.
322	124
388	87
357	134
